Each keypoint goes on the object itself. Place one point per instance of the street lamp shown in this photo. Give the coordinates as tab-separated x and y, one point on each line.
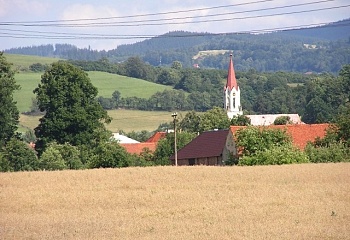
174	115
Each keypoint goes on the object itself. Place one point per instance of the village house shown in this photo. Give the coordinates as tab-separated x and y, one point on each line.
208	148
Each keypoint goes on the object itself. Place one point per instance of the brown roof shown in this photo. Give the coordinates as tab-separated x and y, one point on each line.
300	133
137	148
207	144
231	76
156	137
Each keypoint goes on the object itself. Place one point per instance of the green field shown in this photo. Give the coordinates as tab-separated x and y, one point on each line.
126	120
106	84
22	62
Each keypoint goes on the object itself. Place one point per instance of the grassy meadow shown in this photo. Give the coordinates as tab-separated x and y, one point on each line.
127	120
306	201
106	83
22	62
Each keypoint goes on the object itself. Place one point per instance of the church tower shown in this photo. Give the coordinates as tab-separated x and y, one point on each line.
232	93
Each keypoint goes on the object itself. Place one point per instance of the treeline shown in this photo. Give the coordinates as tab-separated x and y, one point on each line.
305	50
261	93
316	97
65	51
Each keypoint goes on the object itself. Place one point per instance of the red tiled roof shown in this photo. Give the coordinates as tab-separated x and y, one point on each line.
156	137
231	77
207	144
300	133
138	147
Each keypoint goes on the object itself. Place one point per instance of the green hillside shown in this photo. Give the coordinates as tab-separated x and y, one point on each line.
106	84
22	62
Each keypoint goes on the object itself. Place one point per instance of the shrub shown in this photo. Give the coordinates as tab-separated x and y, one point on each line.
109	155
19	156
70	155
334	152
277	155
252	139
282	120
5	165
51	159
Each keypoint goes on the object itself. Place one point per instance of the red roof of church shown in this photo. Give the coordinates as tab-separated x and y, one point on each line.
300	133
231	76
156	137
137	148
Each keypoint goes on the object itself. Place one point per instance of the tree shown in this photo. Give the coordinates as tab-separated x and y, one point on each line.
215	118
109	155
72	114
116	96
252	140
9	114
176	65
20	156
190	122
51	159
136	68
282	120
240	120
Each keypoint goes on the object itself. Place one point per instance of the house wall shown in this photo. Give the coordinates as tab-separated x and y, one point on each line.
211	161
230	147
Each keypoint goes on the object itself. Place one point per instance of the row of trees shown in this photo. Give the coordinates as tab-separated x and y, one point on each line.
317	98
280	51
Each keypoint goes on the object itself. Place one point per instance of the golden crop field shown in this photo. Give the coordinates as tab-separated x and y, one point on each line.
306	201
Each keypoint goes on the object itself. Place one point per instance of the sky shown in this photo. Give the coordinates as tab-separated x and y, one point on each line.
112	23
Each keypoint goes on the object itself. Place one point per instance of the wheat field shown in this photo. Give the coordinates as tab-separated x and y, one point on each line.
308	201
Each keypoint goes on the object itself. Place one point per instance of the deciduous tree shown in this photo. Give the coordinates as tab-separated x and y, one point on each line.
9	114
72	114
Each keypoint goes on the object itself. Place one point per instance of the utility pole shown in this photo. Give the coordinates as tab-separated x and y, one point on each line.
174	115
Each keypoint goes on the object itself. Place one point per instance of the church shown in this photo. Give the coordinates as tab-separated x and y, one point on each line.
233	107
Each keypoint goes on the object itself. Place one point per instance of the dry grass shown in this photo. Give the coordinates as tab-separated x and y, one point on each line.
309	201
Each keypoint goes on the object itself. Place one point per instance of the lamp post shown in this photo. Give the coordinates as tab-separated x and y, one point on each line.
174	115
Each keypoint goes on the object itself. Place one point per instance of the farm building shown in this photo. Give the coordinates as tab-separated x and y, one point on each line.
208	148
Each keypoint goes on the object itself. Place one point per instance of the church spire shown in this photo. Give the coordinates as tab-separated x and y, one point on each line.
232	93
231	76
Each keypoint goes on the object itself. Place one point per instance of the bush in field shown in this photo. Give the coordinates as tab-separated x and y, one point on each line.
109	155
70	155
252	139
18	156
51	159
4	163
334	152
277	155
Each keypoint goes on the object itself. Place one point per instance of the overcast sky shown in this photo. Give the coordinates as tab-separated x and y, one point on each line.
220	16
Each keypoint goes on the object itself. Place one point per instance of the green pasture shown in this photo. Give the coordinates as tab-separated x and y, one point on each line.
126	120
106	84
22	62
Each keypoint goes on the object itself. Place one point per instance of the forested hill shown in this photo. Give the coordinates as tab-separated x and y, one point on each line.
319	49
